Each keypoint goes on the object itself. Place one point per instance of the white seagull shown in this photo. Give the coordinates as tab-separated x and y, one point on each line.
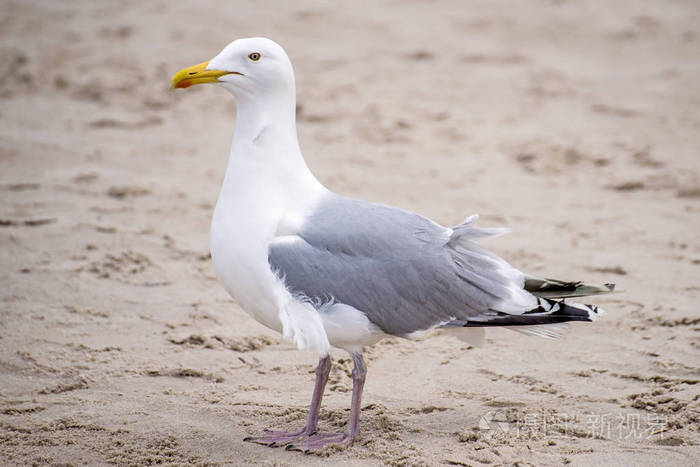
326	270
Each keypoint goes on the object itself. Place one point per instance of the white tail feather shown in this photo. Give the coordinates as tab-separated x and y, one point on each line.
472	336
548	331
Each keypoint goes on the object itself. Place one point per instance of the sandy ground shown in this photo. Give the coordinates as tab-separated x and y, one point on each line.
576	123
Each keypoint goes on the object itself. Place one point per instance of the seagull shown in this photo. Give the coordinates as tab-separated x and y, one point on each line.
328	270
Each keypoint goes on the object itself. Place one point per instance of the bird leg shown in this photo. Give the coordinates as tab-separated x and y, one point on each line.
281	438
318	441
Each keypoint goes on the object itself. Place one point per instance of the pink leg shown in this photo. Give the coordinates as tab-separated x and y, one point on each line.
318	441
281	438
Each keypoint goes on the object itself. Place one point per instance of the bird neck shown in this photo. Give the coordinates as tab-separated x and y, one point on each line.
257	115
265	149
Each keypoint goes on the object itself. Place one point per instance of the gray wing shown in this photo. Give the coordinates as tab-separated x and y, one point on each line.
405	272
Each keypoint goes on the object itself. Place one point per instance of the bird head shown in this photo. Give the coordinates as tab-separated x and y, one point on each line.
252	67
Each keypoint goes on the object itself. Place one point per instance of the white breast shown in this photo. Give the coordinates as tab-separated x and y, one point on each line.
239	240
258	198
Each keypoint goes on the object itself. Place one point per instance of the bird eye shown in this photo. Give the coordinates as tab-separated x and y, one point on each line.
255	56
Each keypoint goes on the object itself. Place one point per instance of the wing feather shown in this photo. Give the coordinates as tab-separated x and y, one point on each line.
405	272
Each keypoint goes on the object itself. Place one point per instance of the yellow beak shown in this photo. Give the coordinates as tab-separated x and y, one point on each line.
198	74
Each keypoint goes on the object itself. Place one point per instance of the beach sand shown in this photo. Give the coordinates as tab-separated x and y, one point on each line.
577	124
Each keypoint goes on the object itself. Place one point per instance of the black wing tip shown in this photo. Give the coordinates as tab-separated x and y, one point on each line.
547	312
554	288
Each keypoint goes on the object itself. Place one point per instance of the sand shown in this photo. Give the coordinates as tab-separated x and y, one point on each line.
575	123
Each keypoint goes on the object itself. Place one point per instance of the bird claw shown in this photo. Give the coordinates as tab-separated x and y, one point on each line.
319	441
275	439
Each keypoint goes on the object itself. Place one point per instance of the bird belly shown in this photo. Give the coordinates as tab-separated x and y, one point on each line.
348	328
239	254
246	220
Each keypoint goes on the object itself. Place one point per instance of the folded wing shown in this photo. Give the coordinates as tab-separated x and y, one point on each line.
405	272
